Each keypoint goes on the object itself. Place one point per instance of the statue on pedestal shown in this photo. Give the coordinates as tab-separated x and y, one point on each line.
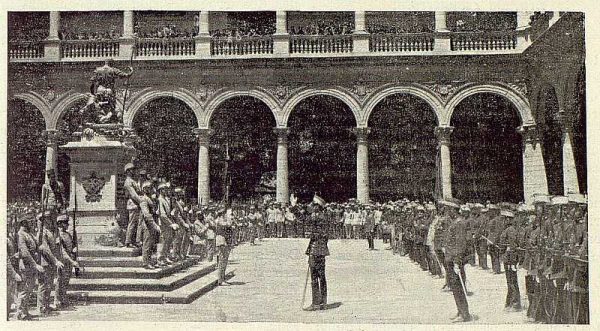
101	107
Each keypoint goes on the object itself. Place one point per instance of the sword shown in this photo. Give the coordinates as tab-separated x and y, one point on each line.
305	285
462	283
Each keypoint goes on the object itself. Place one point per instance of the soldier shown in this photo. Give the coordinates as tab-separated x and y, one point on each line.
224	242
50	251
495	226
179	214
454	253
369	227
436	265
53	196
509	244
167	226
481	245
530	244
132	193
12	264
68	259
317	251
151	230
29	268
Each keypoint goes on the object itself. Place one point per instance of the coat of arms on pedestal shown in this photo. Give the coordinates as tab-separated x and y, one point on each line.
93	186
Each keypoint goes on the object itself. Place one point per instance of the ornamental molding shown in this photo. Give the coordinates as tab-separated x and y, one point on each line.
204	92
520	85
93	186
444	90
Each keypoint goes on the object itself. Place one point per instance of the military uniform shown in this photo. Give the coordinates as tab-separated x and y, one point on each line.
28	268
224	243
509	243
151	230
317	250
167	227
50	251
132	192
455	250
68	259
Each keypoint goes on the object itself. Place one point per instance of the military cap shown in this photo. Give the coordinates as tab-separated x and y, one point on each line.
128	166
163	185
465	208
142	172
62	218
146	184
492	206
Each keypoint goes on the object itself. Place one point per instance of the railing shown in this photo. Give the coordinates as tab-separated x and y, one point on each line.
165	47
25	50
74	49
243	46
483	41
320	44
417	42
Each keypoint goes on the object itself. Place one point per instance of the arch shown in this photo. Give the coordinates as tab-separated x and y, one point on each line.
415	90
223	96
346	98
516	98
63	105
39	103
150	94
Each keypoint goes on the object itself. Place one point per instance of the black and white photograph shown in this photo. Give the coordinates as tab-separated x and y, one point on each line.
307	167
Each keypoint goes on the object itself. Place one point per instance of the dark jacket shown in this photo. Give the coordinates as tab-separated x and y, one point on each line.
318	236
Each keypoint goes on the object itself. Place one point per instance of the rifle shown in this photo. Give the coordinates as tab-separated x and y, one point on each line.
41	228
75	239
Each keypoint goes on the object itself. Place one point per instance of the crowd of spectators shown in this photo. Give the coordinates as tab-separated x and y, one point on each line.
323	28
166	31
241	28
67	34
34	35
395	29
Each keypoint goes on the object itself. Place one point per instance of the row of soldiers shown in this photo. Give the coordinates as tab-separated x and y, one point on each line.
547	240
42	251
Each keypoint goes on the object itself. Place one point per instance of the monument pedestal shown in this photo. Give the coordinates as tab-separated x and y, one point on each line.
97	162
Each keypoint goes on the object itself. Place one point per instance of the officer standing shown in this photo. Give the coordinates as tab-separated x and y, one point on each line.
68	259
167	226
151	230
509	243
317	251
454	253
50	251
369	227
224	242
28	266
132	191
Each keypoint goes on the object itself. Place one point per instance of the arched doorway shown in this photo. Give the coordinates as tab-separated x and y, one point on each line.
486	150
242	150
167	147
26	159
402	149
551	139
322	149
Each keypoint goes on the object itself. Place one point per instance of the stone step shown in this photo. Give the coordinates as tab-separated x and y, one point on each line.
137	272
111	262
183	295
168	283
104	251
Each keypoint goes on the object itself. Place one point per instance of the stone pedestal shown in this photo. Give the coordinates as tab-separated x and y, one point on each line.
96	163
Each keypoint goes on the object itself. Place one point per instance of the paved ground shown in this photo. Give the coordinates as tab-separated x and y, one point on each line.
372	287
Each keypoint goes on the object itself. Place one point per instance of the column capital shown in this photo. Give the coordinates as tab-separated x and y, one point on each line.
443	133
51	137
362	134
529	133
203	135
282	135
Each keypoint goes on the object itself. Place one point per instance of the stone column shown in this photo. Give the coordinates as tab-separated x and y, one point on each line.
203	165
441	43
202	40
52	43
570	182
282	191
443	135
127	41
281	38
360	37
362	164
534	169
51	137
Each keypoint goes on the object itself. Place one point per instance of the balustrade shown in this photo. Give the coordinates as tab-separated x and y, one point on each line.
147	47
25	50
483	41
413	42
73	49
242	46
321	44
